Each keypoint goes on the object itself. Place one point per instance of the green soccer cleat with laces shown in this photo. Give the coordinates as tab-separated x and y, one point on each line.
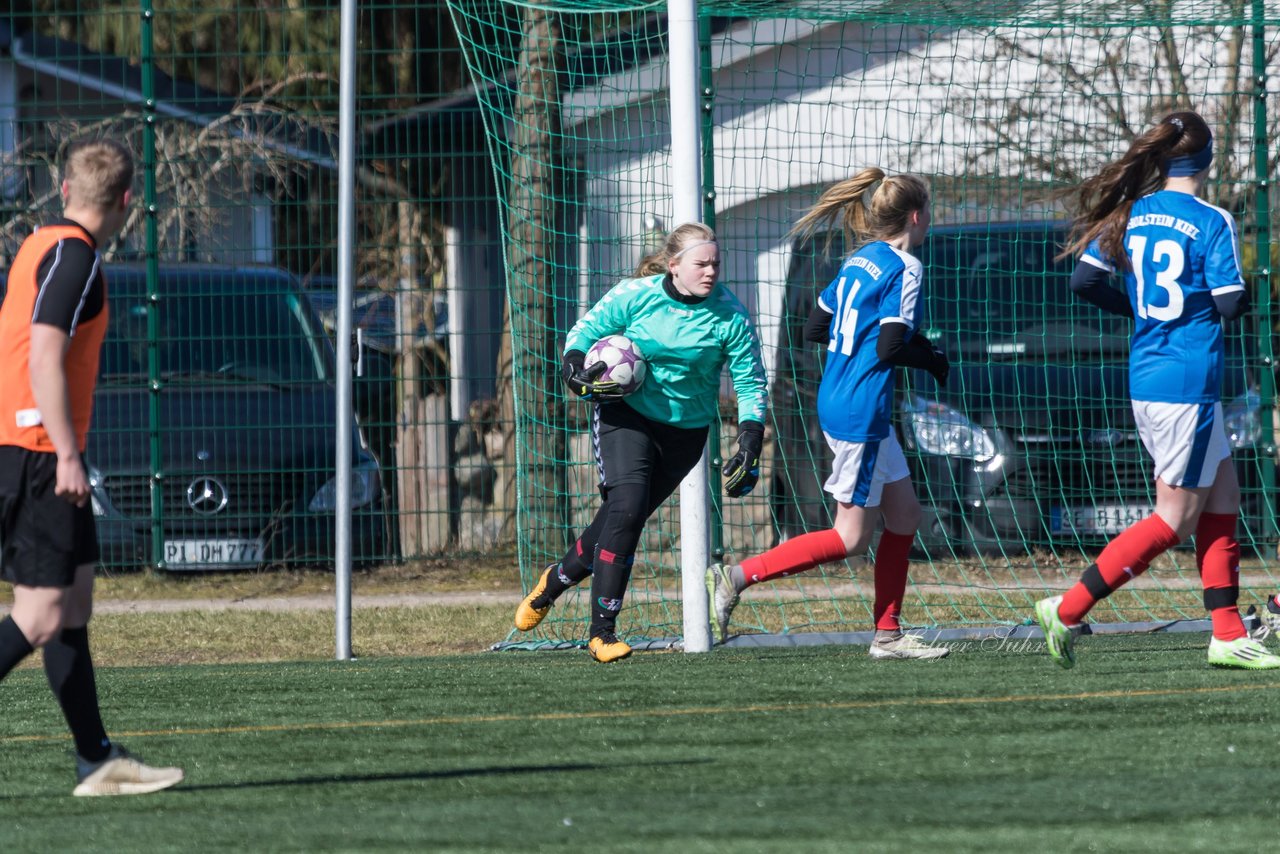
1245	652
722	598
1058	636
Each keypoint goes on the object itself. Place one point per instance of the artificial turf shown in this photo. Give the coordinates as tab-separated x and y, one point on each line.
1141	747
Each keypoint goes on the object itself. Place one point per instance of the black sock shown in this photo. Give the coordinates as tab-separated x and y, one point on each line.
577	562
14	646
608	585
557	583
571	570
69	667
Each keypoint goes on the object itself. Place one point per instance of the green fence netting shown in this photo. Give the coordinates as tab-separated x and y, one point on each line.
213	443
1026	465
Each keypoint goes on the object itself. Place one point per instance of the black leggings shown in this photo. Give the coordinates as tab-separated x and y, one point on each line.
641	462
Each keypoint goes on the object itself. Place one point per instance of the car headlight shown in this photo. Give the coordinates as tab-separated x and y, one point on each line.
365	486
935	428
95	490
1242	419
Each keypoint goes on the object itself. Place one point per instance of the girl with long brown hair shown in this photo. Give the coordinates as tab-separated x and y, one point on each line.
1142	217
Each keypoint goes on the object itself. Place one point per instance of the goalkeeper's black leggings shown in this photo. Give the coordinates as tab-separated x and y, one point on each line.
641	462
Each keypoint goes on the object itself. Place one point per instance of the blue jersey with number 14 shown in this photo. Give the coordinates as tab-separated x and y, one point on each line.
1182	251
875	285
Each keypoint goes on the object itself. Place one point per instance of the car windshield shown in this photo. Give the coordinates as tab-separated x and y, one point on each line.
222	327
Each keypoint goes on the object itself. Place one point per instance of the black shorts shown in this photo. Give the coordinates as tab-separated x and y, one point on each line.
631	448
43	538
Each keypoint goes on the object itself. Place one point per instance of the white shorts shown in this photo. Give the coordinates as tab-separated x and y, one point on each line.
861	469
1186	440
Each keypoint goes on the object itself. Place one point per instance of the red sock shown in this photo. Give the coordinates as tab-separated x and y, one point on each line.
891	578
1125	558
1218	557
795	555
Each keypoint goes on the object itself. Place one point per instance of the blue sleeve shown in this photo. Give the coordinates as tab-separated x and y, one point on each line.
606	317
901	300
1093	255
830	296
1222	273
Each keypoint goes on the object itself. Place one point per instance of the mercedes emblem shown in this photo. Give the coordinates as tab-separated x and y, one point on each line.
207	496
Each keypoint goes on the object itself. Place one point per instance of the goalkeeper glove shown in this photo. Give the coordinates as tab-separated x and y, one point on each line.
585	382
742	471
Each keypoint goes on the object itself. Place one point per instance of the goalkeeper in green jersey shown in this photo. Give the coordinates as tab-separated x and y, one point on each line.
689	328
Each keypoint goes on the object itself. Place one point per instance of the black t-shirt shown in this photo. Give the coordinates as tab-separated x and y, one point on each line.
71	286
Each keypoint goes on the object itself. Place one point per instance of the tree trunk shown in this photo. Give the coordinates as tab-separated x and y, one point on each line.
530	404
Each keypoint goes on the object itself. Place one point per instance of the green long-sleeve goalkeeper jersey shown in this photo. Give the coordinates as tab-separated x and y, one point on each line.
686	346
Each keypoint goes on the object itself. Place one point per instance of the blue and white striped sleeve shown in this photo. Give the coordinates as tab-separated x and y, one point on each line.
901	302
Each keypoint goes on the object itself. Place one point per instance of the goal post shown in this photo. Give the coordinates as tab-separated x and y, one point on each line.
1028	462
687	203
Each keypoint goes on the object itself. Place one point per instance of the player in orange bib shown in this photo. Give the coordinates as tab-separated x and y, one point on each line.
52	322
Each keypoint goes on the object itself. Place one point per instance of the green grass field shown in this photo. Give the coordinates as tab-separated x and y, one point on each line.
1142	747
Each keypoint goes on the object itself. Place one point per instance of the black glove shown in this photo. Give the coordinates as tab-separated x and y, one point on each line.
742	471
584	382
940	367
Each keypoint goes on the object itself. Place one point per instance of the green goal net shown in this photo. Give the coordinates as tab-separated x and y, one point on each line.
1028	461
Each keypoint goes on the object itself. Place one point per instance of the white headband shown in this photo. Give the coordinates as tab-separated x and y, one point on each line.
694	246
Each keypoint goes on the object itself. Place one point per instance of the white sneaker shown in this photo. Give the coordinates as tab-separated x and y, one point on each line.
905	645
122	774
722	598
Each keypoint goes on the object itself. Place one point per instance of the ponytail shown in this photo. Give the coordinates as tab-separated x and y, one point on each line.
868	206
1104	202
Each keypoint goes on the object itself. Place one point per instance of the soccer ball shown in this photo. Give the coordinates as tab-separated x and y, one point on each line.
626	364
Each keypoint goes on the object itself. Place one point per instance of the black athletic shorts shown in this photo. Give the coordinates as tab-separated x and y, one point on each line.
631	448
43	538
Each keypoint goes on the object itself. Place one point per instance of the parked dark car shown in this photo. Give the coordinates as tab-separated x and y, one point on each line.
1032	443
240	427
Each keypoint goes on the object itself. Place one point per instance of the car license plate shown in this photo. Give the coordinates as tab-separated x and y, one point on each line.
212	554
1097	518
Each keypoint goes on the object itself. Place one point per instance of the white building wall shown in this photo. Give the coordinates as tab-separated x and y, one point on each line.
799	106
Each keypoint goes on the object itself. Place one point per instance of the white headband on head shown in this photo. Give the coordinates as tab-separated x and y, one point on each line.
694	246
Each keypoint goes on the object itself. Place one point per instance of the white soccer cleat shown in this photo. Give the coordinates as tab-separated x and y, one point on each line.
122	774
904	646
1244	652
722	598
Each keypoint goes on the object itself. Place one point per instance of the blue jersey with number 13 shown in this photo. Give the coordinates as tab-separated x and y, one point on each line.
1182	251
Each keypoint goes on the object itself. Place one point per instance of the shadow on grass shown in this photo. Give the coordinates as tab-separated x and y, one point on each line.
332	779
422	775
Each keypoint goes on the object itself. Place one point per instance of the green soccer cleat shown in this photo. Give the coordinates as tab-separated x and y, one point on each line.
722	598
122	774
1058	636
1242	652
